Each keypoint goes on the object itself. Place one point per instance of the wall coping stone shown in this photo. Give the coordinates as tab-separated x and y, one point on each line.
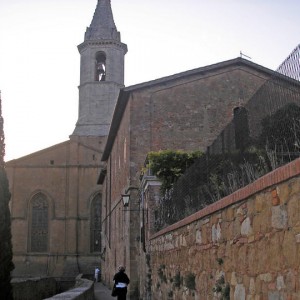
274	177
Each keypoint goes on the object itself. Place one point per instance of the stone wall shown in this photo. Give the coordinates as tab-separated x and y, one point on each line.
247	245
43	288
34	288
83	290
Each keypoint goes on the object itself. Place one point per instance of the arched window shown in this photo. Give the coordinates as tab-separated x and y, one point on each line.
100	66
39	224
241	127
96	224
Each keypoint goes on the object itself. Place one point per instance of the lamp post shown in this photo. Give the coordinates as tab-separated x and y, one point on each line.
125	199
126	196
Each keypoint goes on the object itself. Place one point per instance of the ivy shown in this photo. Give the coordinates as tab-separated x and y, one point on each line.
190	281
169	165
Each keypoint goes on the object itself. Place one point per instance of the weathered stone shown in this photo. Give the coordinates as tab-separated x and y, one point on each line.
182	241
216	233
291	280
290	252
279	217
252	289
280	283
293	210
273	250
262	221
275	296
266	277
283	191
198	237
233	280
239	292
294	185
246	228
260	203
275	198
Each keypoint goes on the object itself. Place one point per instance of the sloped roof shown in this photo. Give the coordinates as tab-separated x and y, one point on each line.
46	152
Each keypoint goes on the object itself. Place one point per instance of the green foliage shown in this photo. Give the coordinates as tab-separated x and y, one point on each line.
6	264
210	177
222	289
169	165
177	280
190	281
170	294
281	130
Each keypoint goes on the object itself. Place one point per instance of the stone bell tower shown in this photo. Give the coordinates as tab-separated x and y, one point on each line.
101	73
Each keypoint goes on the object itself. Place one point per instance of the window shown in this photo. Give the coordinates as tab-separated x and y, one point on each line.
39	224
241	127
100	66
96	224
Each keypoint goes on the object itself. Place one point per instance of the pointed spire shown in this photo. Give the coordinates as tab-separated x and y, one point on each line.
103	25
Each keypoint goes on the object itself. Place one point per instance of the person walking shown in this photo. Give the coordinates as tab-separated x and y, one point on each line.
121	282
97	274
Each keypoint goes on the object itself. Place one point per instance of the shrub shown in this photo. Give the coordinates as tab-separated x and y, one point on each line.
190	281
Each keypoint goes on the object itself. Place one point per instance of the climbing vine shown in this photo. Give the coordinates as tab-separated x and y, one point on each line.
169	165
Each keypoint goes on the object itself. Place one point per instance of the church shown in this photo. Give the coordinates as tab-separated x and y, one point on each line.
55	198
66	204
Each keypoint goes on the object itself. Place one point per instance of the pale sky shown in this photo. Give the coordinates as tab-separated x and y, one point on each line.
39	61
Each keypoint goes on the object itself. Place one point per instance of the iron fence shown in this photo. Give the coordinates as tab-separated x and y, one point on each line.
263	135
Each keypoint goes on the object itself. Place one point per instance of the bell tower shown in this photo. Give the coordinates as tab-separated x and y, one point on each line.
101	73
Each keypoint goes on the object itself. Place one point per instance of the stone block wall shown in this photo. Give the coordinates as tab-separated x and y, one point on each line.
34	288
83	290
245	246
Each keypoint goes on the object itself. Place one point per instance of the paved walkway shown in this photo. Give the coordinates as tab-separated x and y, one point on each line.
102	292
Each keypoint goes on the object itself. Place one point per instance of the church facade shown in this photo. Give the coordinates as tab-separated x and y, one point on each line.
56	202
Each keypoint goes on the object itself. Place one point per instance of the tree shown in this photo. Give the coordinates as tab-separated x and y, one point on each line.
6	264
169	165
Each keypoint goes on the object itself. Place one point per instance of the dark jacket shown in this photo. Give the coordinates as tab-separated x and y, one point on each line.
121	277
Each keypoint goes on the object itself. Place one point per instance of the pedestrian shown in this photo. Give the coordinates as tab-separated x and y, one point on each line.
121	282
97	273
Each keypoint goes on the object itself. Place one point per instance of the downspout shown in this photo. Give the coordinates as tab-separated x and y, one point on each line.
77	209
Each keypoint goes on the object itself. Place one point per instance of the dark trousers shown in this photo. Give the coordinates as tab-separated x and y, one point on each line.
122	293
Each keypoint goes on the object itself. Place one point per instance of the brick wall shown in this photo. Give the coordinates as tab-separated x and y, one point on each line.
185	113
251	239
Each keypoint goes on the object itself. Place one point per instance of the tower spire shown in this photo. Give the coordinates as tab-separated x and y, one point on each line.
101	73
102	25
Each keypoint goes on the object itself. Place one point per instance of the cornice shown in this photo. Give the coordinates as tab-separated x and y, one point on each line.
90	43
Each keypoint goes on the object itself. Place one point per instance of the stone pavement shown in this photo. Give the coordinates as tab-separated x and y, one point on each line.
102	292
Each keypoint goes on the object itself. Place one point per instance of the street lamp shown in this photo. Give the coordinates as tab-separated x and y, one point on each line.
125	199
126	196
